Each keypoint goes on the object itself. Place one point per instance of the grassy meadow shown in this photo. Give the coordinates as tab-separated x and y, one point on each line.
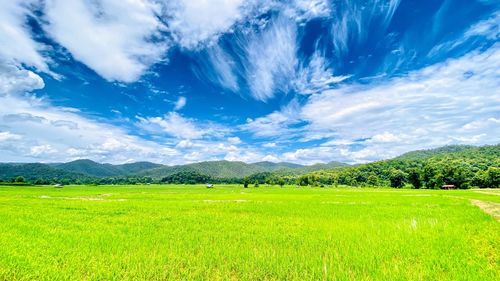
182	232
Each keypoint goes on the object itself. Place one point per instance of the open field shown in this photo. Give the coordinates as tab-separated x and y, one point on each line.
180	232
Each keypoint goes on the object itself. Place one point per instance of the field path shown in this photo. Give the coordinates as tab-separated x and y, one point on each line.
490	208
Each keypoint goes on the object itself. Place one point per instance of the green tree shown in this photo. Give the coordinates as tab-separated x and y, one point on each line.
20	179
414	178
304	180
246	182
397	178
281	182
372	179
493	177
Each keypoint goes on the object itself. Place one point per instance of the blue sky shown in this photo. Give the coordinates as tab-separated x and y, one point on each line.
184	81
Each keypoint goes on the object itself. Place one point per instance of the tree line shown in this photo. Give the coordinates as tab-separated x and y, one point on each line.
462	167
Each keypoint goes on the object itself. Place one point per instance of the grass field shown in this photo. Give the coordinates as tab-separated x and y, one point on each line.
231	233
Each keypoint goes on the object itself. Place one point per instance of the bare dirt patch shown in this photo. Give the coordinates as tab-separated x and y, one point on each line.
490	208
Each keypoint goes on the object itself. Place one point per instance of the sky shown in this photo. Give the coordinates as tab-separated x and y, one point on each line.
184	81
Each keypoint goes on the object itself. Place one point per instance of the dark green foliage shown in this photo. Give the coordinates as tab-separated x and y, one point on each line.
246	182
415	178
462	166
281	182
19	179
261	178
397	178
189	177
372	179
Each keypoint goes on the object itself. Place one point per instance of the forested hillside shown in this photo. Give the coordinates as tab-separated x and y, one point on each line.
87	171
460	166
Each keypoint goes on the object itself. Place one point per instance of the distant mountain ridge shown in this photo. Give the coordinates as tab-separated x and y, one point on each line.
91	168
88	168
85	169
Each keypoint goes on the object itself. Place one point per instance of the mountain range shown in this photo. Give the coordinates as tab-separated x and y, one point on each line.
477	159
88	168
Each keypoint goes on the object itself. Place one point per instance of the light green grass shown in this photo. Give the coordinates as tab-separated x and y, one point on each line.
194	233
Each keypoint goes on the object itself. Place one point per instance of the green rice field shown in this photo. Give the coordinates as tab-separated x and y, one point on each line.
178	232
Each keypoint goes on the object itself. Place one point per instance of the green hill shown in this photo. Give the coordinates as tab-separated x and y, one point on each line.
271	166
461	166
94	169
34	171
89	168
216	169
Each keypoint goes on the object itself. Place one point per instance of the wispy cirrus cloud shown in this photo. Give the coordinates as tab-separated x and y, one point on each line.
354	20
272	59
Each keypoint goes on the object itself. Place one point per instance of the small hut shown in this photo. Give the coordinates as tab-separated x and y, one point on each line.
448	186
209	185
58	185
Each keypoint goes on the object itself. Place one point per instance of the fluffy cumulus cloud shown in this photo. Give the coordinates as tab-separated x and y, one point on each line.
17	45
118	39
33	130
202	22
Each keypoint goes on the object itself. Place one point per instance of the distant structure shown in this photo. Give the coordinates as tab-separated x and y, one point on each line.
448	186
209	185
58	185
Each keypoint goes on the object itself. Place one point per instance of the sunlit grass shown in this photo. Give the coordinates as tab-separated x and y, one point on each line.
181	232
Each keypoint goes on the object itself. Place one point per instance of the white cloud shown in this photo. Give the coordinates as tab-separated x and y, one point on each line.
175	125
303	10
14	79
193	22
454	102
180	103
276	124
234	140
172	124
435	106
316	76
269	145
483	31
42	150
272	59
224	69
112	37
385	137
353	19
5	136
17	46
47	140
